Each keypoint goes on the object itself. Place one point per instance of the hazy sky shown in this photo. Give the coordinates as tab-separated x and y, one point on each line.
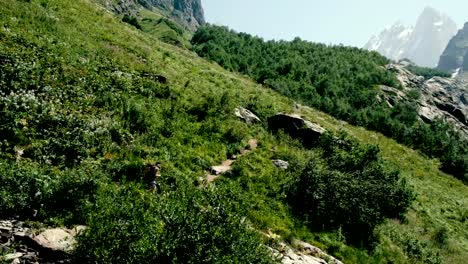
350	22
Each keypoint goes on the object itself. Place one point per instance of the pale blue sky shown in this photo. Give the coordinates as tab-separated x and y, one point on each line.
350	22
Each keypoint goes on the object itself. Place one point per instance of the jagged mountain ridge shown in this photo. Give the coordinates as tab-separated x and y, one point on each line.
454	58
189	13
422	44
391	41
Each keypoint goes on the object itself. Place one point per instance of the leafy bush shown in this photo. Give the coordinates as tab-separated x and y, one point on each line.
131	20
351	189
182	226
34	192
427	73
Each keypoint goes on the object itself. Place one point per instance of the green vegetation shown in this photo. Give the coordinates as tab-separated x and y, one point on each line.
132	21
180	226
427	73
349	189
163	28
85	107
341	81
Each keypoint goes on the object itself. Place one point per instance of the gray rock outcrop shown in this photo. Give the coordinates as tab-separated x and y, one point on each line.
303	253
296	127
281	164
246	115
441	98
455	59
187	12
27	246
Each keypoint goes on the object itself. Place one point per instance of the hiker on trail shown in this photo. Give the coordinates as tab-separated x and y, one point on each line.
152	176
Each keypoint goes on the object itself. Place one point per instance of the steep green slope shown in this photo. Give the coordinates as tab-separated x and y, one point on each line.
87	101
341	81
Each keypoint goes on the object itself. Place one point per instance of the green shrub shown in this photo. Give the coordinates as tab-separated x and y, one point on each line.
351	189
427	73
29	191
131	20
186	225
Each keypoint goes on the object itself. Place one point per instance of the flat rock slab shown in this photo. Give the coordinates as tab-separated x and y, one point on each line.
56	240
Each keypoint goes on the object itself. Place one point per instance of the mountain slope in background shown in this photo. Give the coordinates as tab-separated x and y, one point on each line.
454	58
86	101
187	12
422	44
391	42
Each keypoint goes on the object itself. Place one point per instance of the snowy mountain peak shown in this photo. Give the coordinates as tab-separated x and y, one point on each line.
422	43
391	41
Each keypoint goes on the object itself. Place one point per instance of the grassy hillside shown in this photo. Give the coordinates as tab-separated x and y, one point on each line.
341	81
87	100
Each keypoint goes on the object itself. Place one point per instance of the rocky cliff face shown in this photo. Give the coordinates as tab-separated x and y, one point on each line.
187	12
441	98
422	44
454	58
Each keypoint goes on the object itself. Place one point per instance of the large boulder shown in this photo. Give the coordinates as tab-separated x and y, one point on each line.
56	239
49	246
296	127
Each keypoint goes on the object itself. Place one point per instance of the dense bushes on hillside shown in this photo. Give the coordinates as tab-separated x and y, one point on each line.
427	73
338	80
349	188
184	225
87	102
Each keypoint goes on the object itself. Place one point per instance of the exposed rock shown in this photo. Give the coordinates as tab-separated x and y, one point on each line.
223	168
77	230
56	239
50	246
187	12
455	57
13	256
441	98
281	164
407	79
246	115
304	254
296	127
